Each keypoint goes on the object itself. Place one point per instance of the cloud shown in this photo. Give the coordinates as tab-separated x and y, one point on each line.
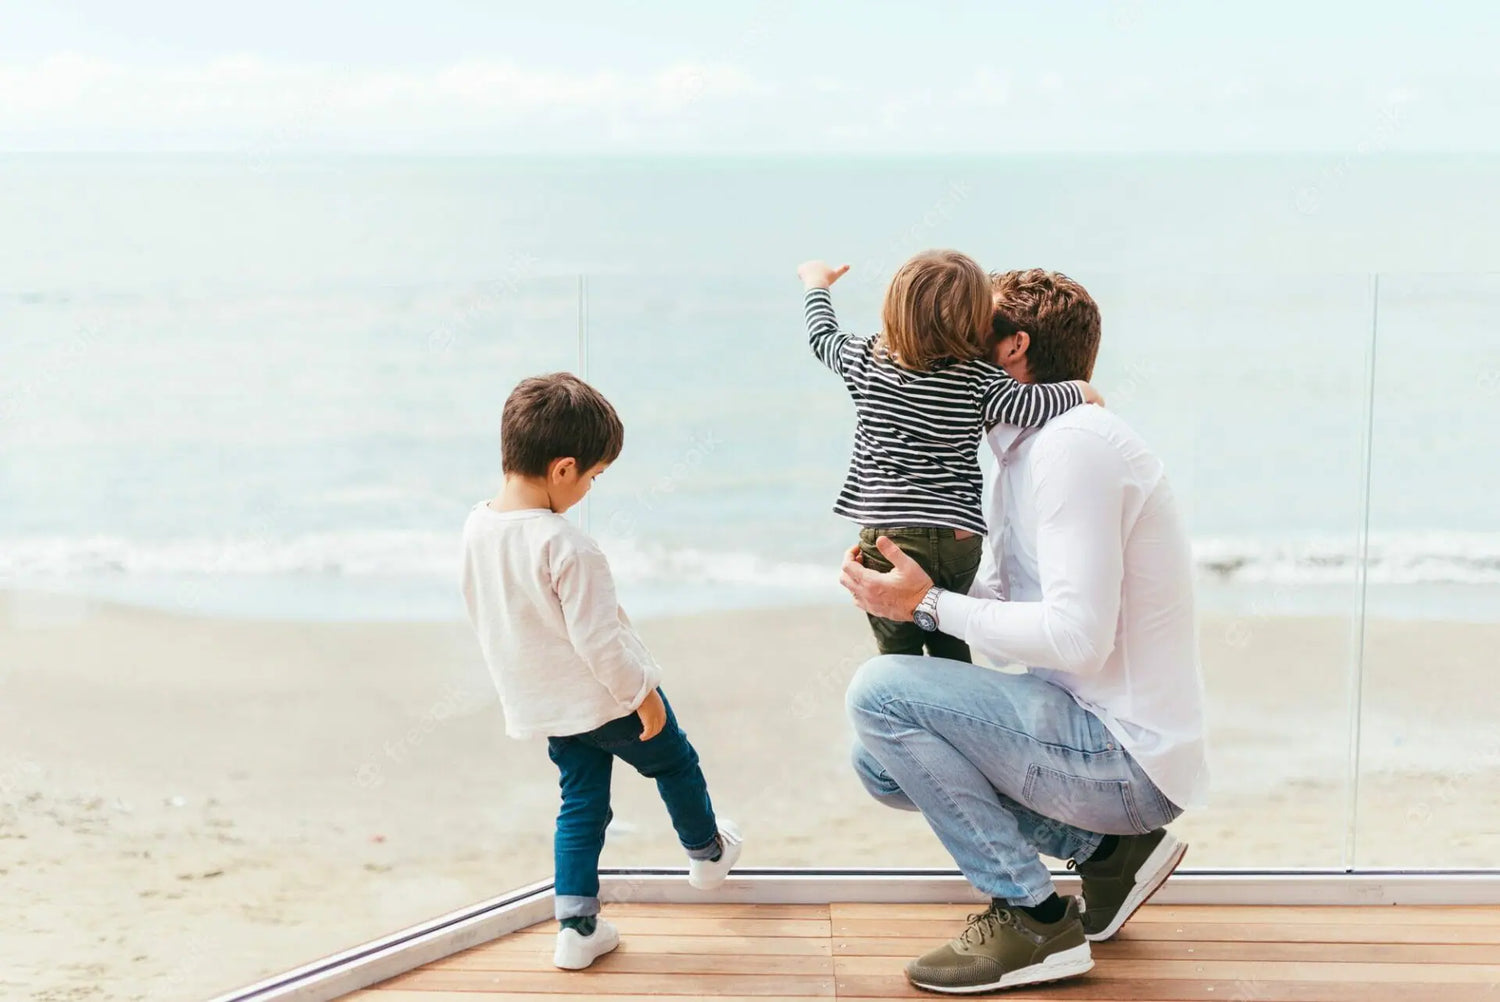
243	100
247	103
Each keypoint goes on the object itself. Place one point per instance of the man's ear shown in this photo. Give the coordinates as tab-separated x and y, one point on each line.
1013	347
1021	342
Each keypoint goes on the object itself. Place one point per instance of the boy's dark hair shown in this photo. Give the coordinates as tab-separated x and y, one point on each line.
1058	313
557	416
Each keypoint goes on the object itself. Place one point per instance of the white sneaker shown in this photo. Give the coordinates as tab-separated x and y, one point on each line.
576	951
706	874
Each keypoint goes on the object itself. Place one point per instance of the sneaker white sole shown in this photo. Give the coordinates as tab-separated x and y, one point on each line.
577	952
1148	880
1067	964
708	875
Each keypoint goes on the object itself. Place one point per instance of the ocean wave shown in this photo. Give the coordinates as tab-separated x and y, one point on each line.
1391	558
1405	558
368	554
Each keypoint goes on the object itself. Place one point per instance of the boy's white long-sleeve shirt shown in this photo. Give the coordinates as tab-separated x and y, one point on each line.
541	598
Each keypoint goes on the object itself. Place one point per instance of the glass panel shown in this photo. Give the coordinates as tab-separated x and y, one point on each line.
238	703
1252	391
717	519
1430	747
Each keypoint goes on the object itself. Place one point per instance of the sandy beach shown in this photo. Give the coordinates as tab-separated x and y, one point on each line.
187	805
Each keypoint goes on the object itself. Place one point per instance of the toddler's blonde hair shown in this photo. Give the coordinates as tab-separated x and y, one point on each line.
938	306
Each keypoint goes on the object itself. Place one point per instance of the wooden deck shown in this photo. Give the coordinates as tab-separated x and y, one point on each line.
856	951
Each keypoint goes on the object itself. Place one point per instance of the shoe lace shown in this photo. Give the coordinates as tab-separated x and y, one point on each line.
985	926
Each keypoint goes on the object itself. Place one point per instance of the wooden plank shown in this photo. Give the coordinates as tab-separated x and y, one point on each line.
628	961
1244	971
1238	914
1207	931
1124	948
1094	988
402	995
601	983
614	910
653	925
1381	915
770	946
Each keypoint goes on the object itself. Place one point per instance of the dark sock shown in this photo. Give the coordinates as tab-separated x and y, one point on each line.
718	852
585	924
1049	911
1106	848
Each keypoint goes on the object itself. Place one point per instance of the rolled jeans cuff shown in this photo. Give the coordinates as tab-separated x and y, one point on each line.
707	850
566	906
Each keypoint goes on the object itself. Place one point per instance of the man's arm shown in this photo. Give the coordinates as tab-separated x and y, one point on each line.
1079	485
1079	494
596	624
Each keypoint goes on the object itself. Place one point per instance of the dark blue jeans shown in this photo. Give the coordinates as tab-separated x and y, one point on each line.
585	763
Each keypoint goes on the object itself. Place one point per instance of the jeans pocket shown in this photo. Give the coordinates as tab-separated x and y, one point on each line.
618	733
1096	805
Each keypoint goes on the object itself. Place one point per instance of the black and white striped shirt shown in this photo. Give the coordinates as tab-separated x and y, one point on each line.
916	437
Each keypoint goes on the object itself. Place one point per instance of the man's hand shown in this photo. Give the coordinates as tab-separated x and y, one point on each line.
818	274
892	595
1090	395
653	713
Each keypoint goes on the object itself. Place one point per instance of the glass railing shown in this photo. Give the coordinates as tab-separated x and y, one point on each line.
238	699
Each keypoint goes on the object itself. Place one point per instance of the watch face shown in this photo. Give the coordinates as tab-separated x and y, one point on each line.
925	620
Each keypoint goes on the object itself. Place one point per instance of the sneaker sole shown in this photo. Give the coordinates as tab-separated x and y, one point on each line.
726	864
1067	964
1161	864
577	963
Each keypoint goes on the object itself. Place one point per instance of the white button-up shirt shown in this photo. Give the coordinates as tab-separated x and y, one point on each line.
1087	580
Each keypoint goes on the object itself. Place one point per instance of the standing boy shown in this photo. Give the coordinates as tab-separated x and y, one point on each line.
568	664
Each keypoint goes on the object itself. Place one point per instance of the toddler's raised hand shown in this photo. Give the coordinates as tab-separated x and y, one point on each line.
819	275
1090	395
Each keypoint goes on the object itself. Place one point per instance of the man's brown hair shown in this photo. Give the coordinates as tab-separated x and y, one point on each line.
1058	313
557	416
936	307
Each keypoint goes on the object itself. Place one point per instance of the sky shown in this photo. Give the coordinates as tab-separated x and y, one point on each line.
735	78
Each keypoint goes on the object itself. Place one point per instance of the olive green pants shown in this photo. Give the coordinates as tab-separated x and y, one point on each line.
950	562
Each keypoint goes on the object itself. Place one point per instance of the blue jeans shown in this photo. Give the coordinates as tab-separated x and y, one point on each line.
585	763
1003	767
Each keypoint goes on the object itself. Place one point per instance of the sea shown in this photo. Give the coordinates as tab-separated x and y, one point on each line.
264	386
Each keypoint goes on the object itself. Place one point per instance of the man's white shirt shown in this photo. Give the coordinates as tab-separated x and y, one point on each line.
1087	580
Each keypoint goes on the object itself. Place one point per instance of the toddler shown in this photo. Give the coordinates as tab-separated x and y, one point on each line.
925	389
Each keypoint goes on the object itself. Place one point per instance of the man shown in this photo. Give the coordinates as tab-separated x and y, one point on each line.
1089	754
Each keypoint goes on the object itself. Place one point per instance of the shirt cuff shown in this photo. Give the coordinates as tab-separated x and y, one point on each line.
954	611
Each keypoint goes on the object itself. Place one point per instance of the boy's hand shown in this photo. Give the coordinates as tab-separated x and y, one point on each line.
653	713
1090	395
818	274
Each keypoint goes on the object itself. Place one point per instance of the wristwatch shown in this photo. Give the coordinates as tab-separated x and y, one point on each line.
925	614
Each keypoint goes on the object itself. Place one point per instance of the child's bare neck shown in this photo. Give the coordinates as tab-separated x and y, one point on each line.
521	494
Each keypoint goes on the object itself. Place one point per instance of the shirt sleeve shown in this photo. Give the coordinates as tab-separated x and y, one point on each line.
1079	492
823	334
596	624
1005	400
986	582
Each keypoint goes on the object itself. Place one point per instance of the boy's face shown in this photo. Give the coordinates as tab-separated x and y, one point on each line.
567	484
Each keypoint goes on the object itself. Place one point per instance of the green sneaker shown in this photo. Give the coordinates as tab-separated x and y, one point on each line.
1005	948
1115	888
